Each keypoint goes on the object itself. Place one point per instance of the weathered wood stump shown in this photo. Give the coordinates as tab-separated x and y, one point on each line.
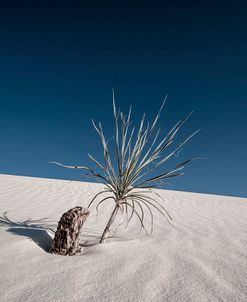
66	239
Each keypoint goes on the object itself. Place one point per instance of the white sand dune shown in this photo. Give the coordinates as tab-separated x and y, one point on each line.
204	258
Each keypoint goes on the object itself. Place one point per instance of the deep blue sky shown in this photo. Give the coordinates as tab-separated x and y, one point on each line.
59	61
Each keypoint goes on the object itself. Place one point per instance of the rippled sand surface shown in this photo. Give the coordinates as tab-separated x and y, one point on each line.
202	258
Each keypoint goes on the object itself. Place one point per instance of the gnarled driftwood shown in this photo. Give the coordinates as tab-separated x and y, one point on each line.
66	239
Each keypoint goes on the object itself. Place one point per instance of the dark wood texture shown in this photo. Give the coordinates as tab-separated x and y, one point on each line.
66	239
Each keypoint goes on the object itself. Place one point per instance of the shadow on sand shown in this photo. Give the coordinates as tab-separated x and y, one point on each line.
36	230
42	231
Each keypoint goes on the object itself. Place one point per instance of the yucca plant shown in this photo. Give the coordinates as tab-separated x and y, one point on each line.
126	174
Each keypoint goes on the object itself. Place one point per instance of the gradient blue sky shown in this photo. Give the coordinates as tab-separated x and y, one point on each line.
59	61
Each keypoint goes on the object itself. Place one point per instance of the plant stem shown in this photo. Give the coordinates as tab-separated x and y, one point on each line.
109	223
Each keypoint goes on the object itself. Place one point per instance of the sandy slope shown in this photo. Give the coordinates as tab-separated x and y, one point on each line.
203	259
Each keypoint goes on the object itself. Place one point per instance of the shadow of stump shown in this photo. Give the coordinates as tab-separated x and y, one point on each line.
36	230
40	237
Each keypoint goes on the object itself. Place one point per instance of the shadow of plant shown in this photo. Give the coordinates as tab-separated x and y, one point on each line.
37	230
91	237
41	232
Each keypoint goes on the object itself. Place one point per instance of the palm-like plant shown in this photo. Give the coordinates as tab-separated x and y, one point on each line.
138	152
